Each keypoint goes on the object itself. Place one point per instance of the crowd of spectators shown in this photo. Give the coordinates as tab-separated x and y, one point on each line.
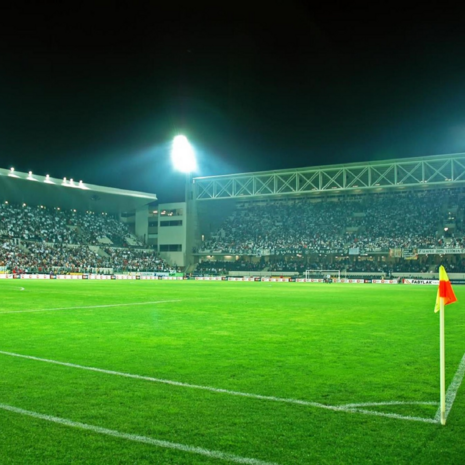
376	222
10	254
277	226
410	220
136	260
36	224
351	227
99	229
35	257
277	235
298	266
39	239
220	267
347	266
53	225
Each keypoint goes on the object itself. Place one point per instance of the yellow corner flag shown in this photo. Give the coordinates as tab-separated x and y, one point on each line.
445	290
445	296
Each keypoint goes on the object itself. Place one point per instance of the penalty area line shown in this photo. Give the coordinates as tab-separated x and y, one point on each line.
137	438
349	408
132	304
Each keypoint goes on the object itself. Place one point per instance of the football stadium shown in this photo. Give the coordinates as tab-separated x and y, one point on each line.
275	317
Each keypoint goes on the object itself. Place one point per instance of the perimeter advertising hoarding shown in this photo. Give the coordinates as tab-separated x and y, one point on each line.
427	282
439	251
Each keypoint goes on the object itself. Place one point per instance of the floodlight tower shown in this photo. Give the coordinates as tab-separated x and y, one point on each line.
183	159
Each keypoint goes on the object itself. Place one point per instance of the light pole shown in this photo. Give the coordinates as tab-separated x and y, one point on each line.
183	159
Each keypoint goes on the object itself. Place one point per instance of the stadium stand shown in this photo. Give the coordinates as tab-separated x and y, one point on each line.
375	233
57	226
40	239
355	233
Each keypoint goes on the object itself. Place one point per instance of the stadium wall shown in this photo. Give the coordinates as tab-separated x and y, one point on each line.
172	233
142	224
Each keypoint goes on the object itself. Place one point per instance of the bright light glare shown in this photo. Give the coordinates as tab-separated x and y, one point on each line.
182	155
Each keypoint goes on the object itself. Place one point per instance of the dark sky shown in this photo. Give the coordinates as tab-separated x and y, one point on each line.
96	91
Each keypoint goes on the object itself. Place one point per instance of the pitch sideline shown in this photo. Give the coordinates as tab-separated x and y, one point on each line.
452	390
349	408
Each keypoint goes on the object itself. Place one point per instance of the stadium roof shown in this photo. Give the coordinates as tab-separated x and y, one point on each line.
435	171
31	189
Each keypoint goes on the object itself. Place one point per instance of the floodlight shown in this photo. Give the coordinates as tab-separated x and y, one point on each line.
182	155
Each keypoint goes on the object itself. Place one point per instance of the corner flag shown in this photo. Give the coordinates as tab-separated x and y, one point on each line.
445	290
445	296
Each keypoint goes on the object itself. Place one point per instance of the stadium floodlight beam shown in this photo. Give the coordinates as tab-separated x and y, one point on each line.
182	155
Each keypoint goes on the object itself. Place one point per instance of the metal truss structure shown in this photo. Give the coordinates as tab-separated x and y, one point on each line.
437	170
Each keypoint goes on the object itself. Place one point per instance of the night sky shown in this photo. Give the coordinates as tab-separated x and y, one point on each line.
96	92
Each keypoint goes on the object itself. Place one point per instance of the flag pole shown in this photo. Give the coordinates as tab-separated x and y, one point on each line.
442	359
445	297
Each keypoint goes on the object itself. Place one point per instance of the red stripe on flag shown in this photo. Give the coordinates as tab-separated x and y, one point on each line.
446	291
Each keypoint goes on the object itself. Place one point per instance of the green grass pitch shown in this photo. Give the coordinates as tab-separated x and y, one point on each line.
256	373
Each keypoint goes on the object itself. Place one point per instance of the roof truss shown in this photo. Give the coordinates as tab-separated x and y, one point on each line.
441	170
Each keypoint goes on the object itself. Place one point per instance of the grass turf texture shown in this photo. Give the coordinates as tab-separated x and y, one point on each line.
331	344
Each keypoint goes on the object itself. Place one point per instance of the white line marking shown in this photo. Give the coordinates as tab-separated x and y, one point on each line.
14	287
452	389
393	402
392	415
337	408
93	306
175	383
136	438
